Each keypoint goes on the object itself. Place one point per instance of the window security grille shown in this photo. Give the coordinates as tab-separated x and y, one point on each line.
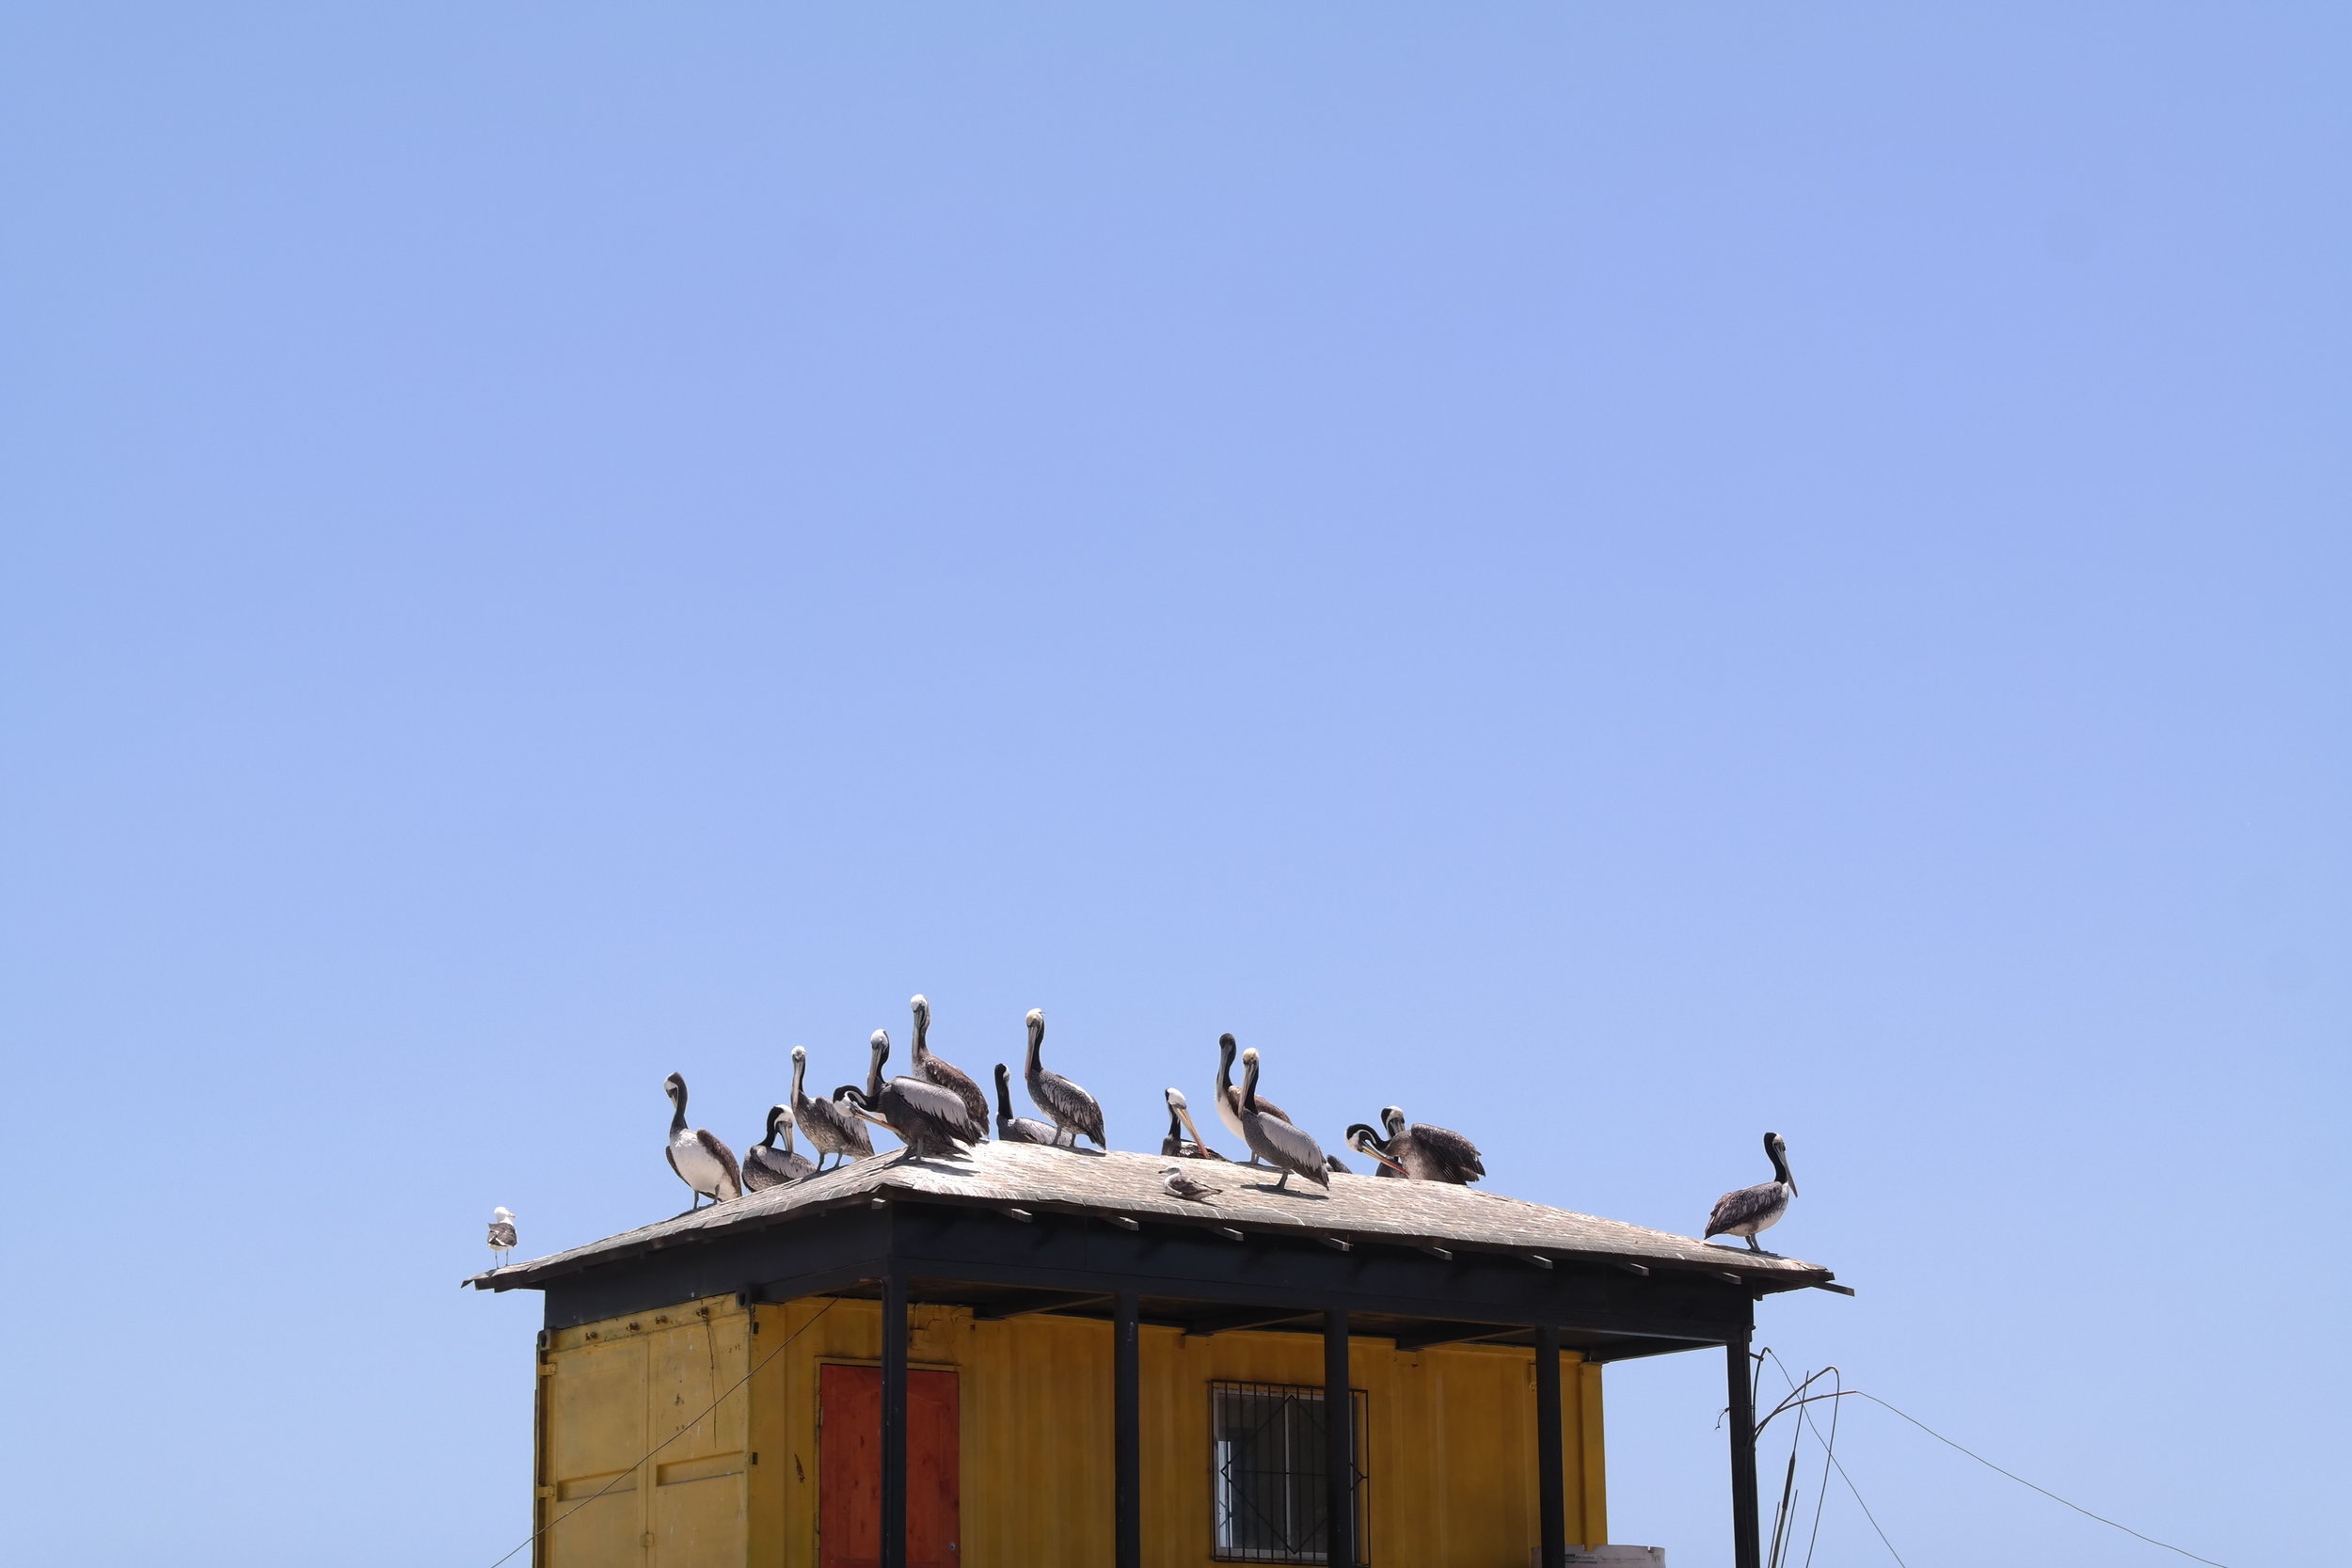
1267	1442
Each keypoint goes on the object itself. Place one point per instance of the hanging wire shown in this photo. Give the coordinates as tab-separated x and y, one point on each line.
681	1431
2043	1489
1829	1457
1798	1400
1805	1417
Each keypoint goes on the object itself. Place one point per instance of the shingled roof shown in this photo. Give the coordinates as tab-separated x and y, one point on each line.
1126	1186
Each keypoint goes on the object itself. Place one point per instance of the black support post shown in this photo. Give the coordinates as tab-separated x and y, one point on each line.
1127	1430
893	1420
1740	1371
1552	1499
1339	1444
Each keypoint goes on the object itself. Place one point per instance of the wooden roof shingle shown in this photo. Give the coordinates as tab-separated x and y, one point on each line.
1128	1186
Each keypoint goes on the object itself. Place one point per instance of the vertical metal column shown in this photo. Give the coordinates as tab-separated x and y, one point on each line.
894	1418
1552	1499
1339	1444
1740	1372
1127	1431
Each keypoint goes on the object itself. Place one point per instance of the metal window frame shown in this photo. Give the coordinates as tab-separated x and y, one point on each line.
1290	1393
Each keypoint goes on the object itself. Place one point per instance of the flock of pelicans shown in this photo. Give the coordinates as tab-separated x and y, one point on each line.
939	1109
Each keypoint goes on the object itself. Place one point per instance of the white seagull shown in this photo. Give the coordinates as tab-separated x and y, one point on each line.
502	1233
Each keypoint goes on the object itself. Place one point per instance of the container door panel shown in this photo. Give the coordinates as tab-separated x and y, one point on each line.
697	1414
596	1435
848	1492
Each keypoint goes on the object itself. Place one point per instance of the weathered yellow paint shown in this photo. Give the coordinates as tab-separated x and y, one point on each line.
1450	1438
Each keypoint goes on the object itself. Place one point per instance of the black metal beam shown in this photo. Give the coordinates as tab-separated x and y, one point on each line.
1456	1333
1552	1503
1246	1317
894	1421
1746	1551
1339	1444
1127	1432
1056	1302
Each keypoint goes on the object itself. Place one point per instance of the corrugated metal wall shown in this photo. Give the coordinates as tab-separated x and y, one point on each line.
1450	1445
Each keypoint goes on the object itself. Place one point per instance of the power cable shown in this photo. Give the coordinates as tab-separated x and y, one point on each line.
1805	1417
2043	1489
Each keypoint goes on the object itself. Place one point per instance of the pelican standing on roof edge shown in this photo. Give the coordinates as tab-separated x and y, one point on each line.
932	1069
701	1161
1757	1208
1018	1130
930	1120
765	1166
1229	1097
1069	1107
831	1130
1289	1150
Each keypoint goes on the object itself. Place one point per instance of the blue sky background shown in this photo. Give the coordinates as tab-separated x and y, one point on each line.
1621	576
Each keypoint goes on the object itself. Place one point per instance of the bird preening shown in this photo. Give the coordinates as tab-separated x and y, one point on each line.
938	1111
765	1166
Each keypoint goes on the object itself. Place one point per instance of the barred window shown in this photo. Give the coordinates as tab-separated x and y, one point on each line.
1267	1442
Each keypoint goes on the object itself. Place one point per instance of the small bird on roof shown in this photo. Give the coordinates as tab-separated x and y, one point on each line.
930	1120
1069	1107
833	1130
1175	1145
932	1070
1289	1150
701	1161
765	1166
1758	1208
1018	1130
502	1233
1228	1094
1190	1188
1429	1153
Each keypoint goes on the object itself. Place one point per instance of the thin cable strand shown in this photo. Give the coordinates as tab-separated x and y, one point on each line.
1829	1453
2043	1489
1805	1417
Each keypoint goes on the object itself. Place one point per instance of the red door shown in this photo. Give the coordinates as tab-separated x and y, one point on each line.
849	1469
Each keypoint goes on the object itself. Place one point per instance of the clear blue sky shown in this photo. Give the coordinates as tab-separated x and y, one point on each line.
1621	576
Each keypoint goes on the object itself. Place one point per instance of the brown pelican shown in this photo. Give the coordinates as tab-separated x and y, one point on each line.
1290	1150
1367	1142
701	1161
1229	1097
831	1130
946	1074
1070	1108
930	1120
1427	1153
1176	1146
766	1165
1757	1208
502	1233
1190	1188
1017	1130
